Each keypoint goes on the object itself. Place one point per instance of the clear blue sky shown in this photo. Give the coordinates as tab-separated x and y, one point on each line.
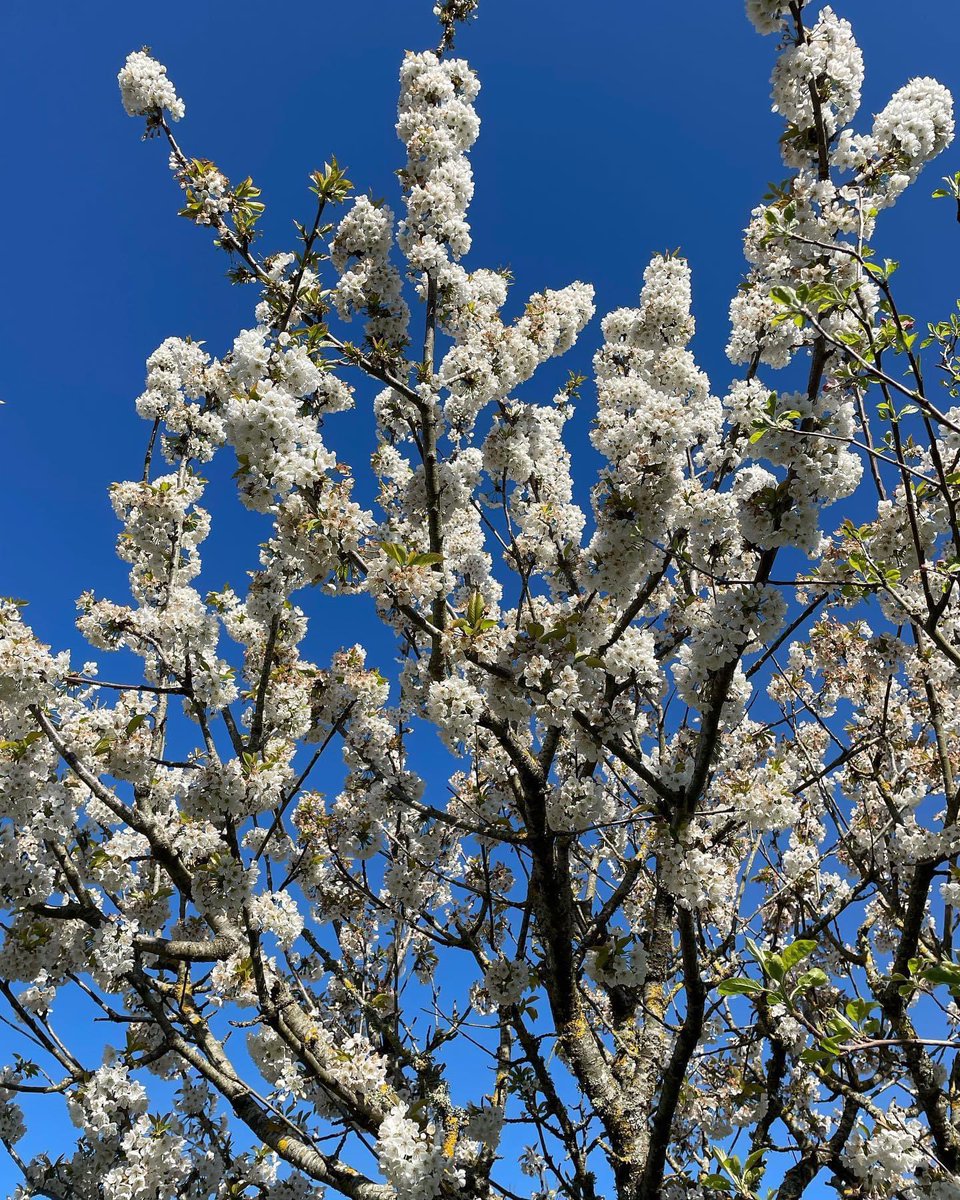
610	131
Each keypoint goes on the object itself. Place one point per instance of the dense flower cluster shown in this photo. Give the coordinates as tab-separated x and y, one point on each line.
145	88
767	15
412	1159
369	282
438	125
830	56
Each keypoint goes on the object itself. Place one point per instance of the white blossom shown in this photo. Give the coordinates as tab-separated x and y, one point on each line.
145	88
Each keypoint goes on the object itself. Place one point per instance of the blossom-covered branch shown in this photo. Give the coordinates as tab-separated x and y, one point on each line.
684	918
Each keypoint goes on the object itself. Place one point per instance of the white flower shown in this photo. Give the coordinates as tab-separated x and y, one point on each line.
145	88
767	15
413	1159
830	60
917	123
890	1153
277	913
505	981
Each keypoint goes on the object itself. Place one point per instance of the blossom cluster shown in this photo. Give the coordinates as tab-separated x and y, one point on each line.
145	88
438	125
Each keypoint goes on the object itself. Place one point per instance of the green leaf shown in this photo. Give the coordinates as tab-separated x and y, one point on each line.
554	634
944	972
331	184
739	987
730	1162
816	1056
786	296
811	979
796	952
476	607
857	1009
18	747
838	1026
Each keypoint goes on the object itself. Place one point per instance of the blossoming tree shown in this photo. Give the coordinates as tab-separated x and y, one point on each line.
684	919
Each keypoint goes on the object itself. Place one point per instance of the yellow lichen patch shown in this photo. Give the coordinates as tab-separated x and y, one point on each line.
450	1141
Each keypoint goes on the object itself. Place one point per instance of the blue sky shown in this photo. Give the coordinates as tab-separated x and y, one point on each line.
610	131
